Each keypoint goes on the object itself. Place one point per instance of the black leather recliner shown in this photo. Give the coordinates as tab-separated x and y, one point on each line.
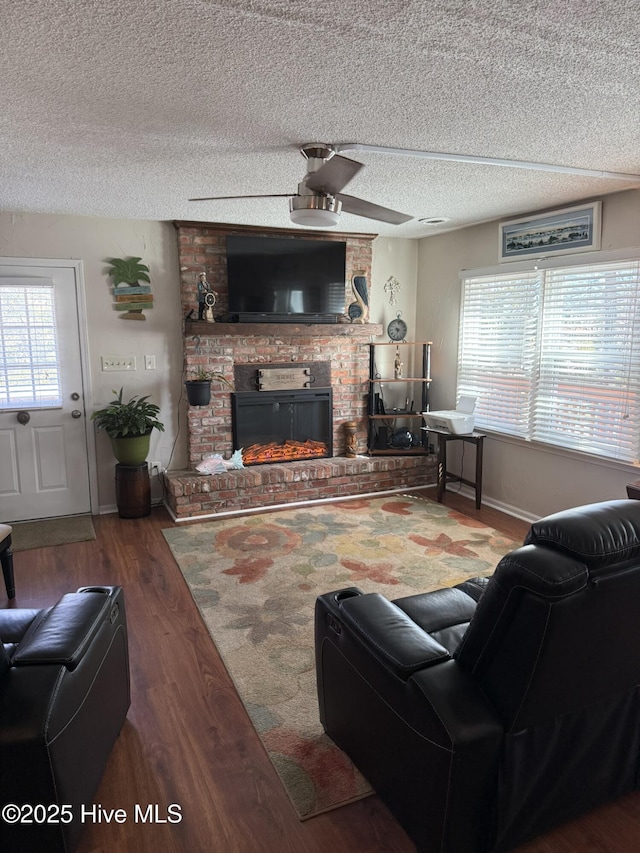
64	695
490	712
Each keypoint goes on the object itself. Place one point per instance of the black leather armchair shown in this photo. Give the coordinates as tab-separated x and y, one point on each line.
490	712
64	695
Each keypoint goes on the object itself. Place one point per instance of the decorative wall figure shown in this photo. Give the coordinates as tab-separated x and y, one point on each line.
129	295
392	286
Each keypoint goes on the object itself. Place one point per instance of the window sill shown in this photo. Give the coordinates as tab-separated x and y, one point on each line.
564	452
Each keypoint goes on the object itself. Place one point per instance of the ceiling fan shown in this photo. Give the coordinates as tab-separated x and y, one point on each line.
319	199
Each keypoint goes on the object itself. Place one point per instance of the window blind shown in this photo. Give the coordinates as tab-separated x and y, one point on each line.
497	349
587	391
553	356
29	369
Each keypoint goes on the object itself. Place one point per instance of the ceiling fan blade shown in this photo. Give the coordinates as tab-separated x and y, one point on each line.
228	197
334	175
351	204
487	161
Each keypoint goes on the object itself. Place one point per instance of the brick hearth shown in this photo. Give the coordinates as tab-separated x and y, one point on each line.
190	495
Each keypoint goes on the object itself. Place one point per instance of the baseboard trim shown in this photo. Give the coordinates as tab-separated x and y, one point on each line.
507	509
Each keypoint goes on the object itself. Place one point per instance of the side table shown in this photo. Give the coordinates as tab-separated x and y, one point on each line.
444	476
633	490
133	490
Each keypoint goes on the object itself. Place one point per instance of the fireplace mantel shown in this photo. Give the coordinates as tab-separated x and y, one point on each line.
283	330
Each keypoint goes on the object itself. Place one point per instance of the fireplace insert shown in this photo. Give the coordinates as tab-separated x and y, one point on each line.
282	426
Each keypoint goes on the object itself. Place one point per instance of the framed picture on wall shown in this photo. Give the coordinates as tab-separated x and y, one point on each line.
572	229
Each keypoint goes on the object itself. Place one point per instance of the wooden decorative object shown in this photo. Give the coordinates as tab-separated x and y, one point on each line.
283	378
351	442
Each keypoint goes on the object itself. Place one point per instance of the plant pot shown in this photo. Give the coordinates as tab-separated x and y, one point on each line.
198	393
132	449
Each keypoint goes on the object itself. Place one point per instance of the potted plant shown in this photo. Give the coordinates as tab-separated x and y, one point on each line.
199	386
129	426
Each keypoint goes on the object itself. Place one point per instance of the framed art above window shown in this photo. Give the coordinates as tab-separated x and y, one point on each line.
572	229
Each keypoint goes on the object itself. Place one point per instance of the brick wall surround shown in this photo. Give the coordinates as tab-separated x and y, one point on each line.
218	347
209	427
202	248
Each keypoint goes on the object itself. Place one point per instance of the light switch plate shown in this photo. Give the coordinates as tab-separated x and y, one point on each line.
118	362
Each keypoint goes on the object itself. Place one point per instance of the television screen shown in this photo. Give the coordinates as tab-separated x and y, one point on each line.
283	276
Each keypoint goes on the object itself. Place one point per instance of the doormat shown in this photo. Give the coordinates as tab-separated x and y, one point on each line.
26	535
255	580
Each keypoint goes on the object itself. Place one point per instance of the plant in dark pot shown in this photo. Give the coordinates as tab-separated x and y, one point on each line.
199	386
129	426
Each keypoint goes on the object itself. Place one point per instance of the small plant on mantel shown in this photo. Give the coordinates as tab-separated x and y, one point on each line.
199	385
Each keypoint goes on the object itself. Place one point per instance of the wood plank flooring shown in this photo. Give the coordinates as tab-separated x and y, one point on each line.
188	740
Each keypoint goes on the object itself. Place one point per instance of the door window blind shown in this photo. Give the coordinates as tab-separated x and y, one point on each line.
29	364
553	356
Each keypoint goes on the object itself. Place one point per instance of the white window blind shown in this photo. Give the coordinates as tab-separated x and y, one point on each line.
29	368
554	356
498	349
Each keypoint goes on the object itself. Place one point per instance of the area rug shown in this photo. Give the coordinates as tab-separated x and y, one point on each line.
255	579
26	535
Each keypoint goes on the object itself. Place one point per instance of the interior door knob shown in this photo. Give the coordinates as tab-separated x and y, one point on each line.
23	417
76	413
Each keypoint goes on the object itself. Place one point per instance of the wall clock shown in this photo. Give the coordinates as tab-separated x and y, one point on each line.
397	329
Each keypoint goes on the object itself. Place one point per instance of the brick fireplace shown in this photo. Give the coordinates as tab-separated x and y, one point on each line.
237	349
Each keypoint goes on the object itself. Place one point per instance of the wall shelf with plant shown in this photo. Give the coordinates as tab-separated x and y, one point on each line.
199	385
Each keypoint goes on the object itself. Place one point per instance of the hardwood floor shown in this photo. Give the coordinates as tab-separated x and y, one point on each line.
188	740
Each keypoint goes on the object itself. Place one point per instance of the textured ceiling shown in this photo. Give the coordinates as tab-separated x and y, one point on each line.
123	109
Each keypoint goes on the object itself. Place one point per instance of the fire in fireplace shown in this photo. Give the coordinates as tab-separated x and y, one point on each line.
282	426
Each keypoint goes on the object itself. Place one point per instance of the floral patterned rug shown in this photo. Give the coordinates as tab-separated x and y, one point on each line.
255	579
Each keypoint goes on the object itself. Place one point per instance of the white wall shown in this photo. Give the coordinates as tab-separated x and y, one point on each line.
398	258
529	480
91	240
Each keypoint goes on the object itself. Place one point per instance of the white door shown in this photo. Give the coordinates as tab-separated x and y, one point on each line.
44	467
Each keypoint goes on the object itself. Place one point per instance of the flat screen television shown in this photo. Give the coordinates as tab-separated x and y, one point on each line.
285	279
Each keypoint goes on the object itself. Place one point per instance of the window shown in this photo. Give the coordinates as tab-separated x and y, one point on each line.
29	370
553	355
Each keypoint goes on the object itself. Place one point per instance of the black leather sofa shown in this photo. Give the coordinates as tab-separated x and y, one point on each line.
490	712
64	695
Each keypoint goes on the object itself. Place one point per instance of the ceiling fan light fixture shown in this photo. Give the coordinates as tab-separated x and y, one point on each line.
315	211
